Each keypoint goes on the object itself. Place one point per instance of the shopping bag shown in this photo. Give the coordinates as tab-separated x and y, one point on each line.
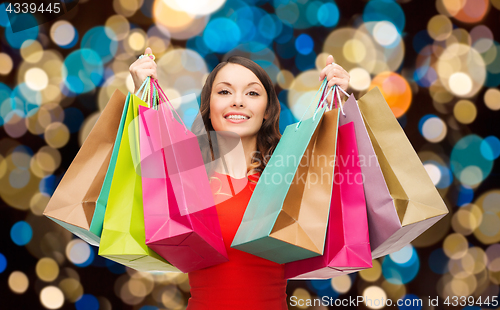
123	236
347	245
179	211
79	201
402	201
286	218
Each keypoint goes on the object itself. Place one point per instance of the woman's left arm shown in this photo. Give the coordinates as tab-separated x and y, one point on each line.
336	75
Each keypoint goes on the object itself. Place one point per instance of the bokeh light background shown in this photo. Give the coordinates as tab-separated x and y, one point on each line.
436	61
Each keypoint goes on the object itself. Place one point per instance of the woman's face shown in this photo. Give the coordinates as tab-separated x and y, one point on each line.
238	101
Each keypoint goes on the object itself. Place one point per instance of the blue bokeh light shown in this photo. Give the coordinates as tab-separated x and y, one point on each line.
16	39
490	148
438	261
82	71
401	273
102	40
329	14
3	263
467	154
87	302
304	44
221	35
21	233
389	10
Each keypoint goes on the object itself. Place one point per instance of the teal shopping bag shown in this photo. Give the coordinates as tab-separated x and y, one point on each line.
286	218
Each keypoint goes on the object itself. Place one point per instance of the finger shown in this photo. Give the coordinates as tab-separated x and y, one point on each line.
146	64
325	72
336	81
145	73
336	73
148	51
330	60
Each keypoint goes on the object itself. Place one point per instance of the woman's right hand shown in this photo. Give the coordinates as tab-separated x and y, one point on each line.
142	68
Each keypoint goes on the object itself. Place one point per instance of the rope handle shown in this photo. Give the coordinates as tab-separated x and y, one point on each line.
321	88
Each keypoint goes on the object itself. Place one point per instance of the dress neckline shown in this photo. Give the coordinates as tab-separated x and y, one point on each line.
254	176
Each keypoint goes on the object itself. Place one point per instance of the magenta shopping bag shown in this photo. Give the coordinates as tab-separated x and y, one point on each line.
180	216
347	246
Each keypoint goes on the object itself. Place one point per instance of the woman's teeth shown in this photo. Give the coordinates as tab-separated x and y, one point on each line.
237	117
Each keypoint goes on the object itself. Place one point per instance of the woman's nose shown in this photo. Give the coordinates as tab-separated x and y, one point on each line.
238	101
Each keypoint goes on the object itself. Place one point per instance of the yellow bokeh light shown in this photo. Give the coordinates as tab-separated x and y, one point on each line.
439	27
18	282
47	269
38	202
181	25
285	79
455	246
52	297
126	8
375	297
359	79
119	25
301	294
465	111
372	274
57	135
195	7
434	130
6	64
31	51
62	32
342	284
466	219
460	83
36	79
137	40
354	51
71	288
492	99
48	158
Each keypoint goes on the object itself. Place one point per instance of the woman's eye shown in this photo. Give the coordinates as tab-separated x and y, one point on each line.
255	93
223	92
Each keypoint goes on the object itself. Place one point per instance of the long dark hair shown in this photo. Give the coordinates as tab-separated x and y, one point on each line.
269	134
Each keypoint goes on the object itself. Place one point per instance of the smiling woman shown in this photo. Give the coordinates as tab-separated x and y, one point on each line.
239	97
253	98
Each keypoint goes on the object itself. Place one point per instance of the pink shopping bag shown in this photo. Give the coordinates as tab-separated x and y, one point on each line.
347	246
180	216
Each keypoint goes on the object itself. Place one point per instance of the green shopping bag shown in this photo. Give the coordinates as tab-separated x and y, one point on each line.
123	237
286	218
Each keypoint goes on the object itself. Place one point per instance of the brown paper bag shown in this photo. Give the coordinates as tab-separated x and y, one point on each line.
415	200
73	203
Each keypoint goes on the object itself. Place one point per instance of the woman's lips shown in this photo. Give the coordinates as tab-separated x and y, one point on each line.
236	121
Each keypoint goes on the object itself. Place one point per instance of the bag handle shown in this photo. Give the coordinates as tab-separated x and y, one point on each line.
320	104
142	86
336	91
163	96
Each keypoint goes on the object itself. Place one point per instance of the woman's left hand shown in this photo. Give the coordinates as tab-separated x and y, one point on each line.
336	75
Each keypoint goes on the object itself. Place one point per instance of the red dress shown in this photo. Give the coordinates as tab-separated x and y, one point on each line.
245	281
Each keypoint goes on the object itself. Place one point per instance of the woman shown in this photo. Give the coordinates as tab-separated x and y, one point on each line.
238	96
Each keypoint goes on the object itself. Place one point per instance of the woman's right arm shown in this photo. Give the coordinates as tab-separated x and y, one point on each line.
142	68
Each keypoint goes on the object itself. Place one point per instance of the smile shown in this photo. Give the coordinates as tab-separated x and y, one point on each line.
236	117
